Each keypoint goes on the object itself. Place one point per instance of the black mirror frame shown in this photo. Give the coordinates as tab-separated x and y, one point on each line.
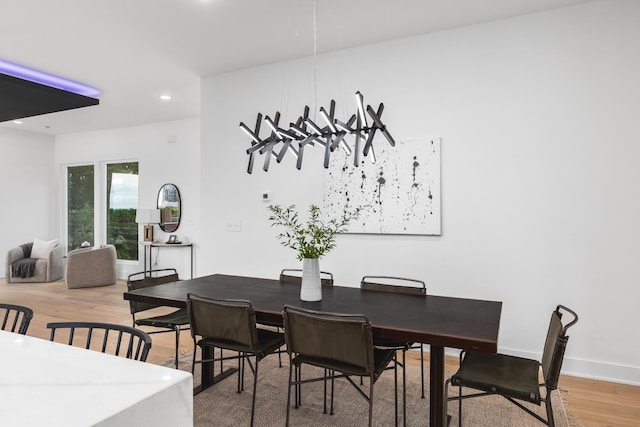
163	227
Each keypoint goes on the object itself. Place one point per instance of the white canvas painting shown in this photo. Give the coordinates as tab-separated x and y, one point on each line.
401	190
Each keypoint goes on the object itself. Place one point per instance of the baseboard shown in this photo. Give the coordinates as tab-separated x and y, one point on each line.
602	371
576	367
125	269
583	368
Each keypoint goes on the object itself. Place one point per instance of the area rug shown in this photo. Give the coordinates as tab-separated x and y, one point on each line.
221	405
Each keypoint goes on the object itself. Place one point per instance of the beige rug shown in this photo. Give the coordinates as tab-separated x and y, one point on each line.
221	405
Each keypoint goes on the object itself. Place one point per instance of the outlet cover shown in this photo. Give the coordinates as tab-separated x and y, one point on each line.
234	226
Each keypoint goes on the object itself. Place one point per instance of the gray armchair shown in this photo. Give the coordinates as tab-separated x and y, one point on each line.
89	267
46	269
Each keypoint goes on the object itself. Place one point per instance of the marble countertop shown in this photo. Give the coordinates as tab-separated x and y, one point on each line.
44	383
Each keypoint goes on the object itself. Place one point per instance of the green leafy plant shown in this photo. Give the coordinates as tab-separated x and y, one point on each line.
314	238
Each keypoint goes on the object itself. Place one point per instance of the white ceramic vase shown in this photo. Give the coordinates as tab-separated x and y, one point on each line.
311	288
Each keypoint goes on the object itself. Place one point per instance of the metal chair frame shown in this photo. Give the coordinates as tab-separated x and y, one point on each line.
551	364
173	321
299	355
231	325
137	343
395	284
16	318
294	276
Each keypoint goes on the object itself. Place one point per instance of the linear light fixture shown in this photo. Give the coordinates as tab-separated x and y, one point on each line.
305	132
41	77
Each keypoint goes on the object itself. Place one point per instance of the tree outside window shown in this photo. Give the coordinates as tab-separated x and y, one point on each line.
80	205
122	202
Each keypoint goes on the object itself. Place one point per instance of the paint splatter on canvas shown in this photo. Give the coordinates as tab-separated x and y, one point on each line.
401	190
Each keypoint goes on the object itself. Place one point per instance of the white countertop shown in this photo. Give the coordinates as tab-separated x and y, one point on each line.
44	383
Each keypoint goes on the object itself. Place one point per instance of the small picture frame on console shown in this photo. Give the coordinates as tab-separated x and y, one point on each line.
148	233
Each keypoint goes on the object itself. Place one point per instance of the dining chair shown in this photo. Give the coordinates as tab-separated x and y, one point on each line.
175	321
15	318
231	325
118	340
340	344
516	377
294	276
400	285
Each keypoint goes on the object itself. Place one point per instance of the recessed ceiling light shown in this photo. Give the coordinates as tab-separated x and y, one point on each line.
165	97
18	122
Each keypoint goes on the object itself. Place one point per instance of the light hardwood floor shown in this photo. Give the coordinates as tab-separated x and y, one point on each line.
590	403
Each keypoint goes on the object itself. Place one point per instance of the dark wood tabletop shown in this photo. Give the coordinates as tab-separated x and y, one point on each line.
435	320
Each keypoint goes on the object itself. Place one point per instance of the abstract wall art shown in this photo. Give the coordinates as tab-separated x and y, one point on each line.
401	190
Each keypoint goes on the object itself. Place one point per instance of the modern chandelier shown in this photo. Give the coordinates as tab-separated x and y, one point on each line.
305	132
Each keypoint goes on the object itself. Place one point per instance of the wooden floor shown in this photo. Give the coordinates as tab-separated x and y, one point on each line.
590	403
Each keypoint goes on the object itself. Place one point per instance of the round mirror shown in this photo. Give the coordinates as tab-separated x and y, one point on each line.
170	207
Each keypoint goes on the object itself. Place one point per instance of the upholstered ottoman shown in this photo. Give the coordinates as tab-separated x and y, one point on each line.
89	267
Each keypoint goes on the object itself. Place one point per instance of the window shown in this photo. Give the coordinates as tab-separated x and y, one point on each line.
121	203
80	205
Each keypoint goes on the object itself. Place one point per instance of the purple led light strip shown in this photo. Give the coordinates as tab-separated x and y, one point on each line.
36	76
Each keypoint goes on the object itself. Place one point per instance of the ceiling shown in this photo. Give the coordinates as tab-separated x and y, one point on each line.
23	98
136	50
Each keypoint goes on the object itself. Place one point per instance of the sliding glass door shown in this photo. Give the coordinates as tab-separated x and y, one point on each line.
101	207
80	205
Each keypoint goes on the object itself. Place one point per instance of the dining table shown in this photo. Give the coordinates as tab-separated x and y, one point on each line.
438	321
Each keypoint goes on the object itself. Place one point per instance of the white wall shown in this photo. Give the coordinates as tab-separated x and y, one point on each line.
26	189
160	162
537	116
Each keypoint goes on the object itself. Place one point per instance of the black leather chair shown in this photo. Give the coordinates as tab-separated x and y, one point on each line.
175	321
516	377
231	325
109	338
400	285
341	344
294	276
15	318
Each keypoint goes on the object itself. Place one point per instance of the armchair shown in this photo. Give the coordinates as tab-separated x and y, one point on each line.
47	265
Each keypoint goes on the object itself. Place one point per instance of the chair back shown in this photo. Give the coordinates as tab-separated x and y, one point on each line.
146	279
339	337
294	276
555	345
109	338
15	318
223	319
394	284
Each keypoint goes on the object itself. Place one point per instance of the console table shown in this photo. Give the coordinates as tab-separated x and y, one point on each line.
159	245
